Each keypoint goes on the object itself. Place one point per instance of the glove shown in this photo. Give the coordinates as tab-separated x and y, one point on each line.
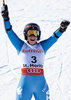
63	26
4	11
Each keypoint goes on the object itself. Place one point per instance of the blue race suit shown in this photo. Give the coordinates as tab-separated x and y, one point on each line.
32	81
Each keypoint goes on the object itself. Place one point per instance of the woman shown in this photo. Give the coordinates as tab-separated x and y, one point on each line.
32	81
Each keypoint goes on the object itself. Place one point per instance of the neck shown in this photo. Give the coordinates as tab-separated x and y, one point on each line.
31	44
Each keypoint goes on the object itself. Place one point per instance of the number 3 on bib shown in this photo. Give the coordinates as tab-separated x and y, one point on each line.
34	59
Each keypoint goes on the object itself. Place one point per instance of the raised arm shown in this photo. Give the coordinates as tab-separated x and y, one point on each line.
46	44
16	41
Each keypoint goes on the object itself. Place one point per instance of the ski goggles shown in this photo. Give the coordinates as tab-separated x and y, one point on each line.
33	32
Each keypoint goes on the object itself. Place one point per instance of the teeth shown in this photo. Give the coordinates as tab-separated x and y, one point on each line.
32	40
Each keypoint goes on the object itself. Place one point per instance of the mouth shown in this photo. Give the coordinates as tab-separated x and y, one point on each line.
32	39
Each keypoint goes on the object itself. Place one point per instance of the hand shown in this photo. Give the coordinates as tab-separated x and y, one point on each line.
4	11
63	26
65	23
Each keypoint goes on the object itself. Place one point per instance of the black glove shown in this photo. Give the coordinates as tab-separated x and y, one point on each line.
63	26
4	11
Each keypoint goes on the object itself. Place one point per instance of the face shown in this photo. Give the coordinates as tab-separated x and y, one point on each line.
32	39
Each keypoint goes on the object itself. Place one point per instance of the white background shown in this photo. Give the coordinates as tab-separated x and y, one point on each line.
48	14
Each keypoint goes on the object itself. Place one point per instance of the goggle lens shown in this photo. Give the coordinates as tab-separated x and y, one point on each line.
33	32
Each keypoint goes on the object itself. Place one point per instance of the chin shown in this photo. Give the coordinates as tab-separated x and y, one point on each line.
32	43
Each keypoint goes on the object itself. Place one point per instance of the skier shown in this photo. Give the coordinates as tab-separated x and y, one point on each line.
32	81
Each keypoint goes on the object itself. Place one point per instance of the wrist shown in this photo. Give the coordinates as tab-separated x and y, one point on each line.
62	29
6	19
57	33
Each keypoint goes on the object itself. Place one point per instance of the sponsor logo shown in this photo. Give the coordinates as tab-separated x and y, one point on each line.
35	51
33	70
